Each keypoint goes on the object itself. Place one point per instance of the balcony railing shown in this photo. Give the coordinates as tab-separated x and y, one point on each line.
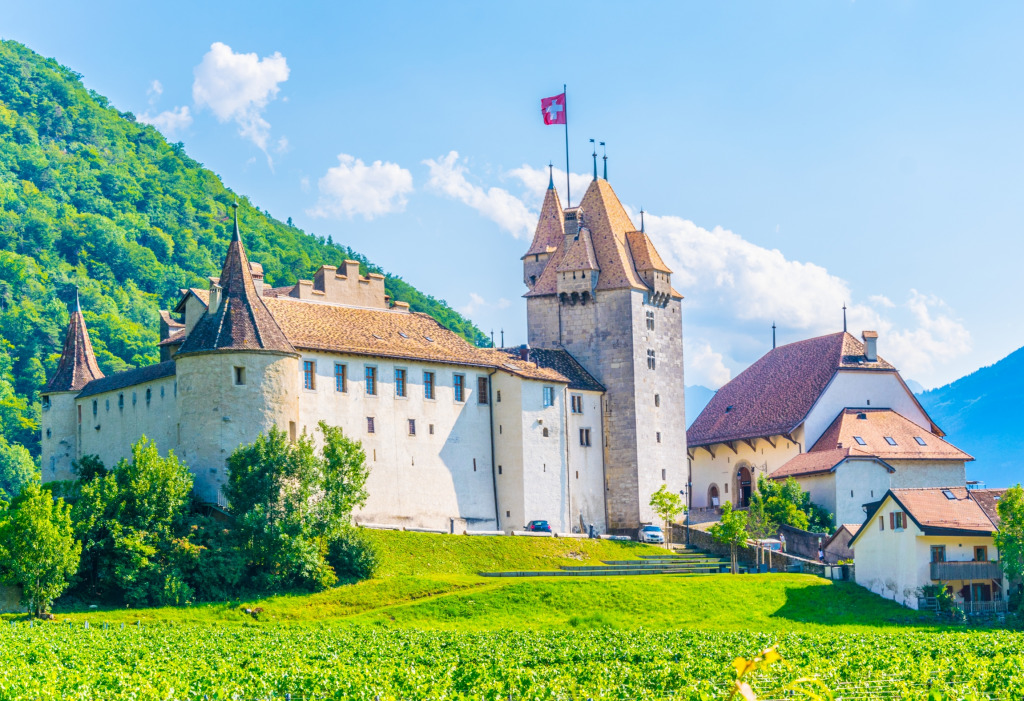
950	571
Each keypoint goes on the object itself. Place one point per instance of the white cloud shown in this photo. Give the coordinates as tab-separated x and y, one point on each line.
238	87
352	188
881	301
156	89
536	180
448	176
704	366
282	145
937	338
169	122
477	303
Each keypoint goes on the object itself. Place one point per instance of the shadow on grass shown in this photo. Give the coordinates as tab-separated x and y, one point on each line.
847	604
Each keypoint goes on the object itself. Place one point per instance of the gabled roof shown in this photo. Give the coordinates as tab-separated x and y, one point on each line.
241	320
602	213
77	366
935	513
645	255
202	295
774	395
987	499
873	426
820	462
129	378
580	254
550	226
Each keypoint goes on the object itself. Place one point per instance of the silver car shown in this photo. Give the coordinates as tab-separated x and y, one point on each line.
651	534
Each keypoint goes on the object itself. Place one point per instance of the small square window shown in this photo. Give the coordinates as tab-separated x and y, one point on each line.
920	441
369	425
890	440
860	441
239	375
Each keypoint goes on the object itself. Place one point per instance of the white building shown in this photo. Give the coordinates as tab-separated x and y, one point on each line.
918	537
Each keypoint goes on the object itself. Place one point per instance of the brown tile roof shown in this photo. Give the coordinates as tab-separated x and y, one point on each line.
987	499
772	396
645	255
873	426
174	339
602	213
129	378
170	321
389	334
561	361
580	255
550	226
202	295
812	463
77	366
936	514
241	320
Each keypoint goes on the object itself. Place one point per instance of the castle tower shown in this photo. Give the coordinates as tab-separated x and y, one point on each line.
605	295
61	422
237	375
547	237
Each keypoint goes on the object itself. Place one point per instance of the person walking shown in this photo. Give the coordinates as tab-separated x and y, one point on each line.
782	539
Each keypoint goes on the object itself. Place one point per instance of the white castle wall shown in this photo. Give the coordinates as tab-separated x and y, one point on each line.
586	465
59	443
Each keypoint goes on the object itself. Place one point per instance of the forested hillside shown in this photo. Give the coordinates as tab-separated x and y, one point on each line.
94	200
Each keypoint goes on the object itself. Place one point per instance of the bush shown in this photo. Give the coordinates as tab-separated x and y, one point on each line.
353	556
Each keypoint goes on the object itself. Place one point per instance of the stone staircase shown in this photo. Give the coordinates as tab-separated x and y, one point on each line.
679	560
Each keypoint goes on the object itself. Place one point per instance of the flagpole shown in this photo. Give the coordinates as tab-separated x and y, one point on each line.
568	192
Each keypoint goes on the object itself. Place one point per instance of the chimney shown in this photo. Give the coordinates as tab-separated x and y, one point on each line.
870	346
214	296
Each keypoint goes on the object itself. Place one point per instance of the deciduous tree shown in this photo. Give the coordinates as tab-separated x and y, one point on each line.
731	530
667	505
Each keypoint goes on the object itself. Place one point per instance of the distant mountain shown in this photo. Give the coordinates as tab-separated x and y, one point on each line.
982	413
915	386
697	397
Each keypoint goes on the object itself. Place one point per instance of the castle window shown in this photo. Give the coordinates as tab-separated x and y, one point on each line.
48	430
481	390
292	432
657	437
499	472
650	321
149	395
545	433
134	399
663	475
46	403
657	400
370	374
650	359
549	396
585	437
95	407
79	419
474	461
428	385
430	430
498	395
120	401
459	384
239	375
309	374
576	401
340	377
399	382
162	388
412	427
369	425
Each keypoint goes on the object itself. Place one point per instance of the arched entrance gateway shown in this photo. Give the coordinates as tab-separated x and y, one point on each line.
714	500
744	487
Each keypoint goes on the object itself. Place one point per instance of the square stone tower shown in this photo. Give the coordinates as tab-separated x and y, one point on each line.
599	289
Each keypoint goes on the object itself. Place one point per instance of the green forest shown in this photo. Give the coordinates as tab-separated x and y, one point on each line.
93	200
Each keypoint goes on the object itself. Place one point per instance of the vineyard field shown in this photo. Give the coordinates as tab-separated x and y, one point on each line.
197	661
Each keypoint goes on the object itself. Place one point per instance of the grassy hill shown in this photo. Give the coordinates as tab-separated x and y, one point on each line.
92	199
982	414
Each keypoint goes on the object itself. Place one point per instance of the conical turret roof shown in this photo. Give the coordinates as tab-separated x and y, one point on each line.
241	320
78	366
550	226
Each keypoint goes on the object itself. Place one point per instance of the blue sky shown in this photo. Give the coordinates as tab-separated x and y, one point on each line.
792	156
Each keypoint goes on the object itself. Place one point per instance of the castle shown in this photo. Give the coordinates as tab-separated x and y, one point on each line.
578	428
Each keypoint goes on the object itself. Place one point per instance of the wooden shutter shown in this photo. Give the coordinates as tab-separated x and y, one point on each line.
892	519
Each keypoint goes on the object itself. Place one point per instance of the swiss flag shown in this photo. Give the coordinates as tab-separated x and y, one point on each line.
553	109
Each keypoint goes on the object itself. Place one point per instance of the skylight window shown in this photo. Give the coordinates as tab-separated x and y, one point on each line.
890	440
862	416
949	494
920	441
379	338
402	334
728	409
860	441
429	338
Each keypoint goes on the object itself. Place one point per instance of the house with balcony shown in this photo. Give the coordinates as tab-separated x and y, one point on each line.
933	536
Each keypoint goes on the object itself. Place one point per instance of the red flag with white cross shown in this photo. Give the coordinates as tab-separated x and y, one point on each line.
553	109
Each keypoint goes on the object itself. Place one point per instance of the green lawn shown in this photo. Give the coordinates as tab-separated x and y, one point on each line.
430	582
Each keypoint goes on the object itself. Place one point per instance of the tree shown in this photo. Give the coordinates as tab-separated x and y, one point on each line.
17	468
786	503
38	550
667	505
731	530
760	524
291	503
1009	538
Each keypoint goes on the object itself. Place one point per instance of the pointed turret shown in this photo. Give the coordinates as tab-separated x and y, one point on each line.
237	318
77	366
546	238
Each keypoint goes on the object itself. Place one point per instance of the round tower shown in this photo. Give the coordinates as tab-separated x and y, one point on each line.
237	375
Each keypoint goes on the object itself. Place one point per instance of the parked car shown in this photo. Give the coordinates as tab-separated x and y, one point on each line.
538	526
651	534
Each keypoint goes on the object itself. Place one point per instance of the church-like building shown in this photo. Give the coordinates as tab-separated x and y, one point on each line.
578	428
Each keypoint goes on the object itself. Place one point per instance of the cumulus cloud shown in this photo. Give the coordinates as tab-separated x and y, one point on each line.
353	188
535	181
477	303
238	87
448	176
170	121
156	89
705	366
937	337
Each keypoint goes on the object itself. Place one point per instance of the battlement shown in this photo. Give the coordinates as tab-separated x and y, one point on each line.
332	285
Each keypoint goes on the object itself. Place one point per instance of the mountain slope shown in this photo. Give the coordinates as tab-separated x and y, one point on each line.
94	200
982	413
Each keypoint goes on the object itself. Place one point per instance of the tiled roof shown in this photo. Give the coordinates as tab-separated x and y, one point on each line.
202	295
241	320
389	334
873	426
812	463
562	362
645	255
77	366
171	322
580	255
602	213
987	500
550	226
773	396
128	378
174	339
935	513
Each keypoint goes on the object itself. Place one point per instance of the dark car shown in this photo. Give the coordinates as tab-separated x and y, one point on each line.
539	526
